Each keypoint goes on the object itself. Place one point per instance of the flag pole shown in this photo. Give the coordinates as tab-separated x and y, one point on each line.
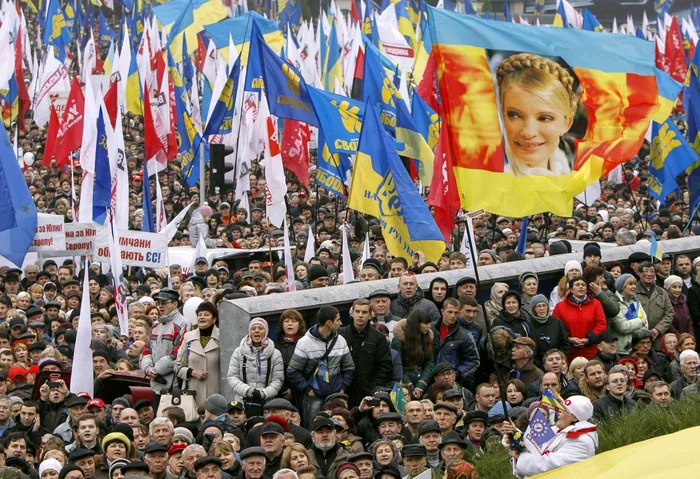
240	112
634	199
690	220
472	252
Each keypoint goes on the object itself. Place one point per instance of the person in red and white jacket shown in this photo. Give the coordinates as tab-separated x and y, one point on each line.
576	440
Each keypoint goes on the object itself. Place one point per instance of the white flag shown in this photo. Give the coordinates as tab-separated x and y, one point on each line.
123	67
120	173
175	223
54	79
276	185
115	261
82	381
89	59
87	153
288	263
464	247
365	249
310	246
199	252
348	273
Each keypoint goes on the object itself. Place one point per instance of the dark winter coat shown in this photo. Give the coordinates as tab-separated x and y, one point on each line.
519	324
420	375
401	307
549	335
694	303
682	322
286	347
608	406
458	349
373	365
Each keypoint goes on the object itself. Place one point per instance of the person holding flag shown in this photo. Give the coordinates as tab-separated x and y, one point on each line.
573	439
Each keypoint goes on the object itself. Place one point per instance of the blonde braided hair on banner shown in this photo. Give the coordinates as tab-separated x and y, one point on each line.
549	80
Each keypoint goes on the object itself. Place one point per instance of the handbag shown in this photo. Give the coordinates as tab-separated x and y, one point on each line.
182	398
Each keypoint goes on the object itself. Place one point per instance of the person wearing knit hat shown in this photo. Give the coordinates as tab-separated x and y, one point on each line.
199	226
682	321
343	471
115	468
50	465
571	270
116	446
632	317
529	283
256	370
547	331
67	472
318	276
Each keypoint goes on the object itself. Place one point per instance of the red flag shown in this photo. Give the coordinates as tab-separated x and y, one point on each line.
200	55
112	103
658	57
23	98
51	137
99	64
443	189
674	53
295	149
428	84
70	134
154	148
355	14
358	75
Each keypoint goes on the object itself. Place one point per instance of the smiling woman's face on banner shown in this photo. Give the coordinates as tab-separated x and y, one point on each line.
537	107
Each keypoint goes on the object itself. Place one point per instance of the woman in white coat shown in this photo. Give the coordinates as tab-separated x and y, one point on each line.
576	440
256	370
197	363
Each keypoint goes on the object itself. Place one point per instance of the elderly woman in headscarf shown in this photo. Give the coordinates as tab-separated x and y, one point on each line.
256	370
529	282
493	305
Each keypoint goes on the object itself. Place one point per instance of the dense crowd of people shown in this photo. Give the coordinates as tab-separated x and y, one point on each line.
423	381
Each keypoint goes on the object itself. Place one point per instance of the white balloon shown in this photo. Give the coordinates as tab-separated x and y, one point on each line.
189	309
29	159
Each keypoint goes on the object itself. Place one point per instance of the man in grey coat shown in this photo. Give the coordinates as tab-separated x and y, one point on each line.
655	301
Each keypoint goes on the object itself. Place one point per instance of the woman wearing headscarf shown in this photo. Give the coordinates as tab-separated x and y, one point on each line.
547	331
529	282
494	304
682	322
631	316
198	358
256	370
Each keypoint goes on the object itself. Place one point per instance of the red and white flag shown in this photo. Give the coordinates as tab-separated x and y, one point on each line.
276	185
157	160
443	189
70	133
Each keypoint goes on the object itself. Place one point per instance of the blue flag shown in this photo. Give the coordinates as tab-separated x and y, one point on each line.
427	121
340	118
184	20
221	119
506	11
662	6
331	168
17	209
286	90
291	15
669	156
147	218
102	189
539	432
55	30
522	239
105	33
190	140
590	22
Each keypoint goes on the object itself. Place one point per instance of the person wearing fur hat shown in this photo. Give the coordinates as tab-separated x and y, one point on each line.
576	440
256	370
547	331
583	318
197	362
199	226
631	317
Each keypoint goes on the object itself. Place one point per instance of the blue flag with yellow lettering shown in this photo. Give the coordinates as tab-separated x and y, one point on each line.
286	90
427	121
221	119
189	139
55	30
17	209
340	119
669	156
331	168
381	187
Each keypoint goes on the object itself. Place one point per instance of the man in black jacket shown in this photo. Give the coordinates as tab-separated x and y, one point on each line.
29	423
607	351
370	353
614	402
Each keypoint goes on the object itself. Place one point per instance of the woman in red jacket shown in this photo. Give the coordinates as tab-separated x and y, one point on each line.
583	318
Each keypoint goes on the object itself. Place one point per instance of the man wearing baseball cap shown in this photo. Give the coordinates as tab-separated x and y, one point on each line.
522	355
326	454
576	440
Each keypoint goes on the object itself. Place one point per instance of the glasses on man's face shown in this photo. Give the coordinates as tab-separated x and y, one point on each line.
618	381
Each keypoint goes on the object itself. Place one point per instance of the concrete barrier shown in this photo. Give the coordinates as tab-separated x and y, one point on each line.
234	316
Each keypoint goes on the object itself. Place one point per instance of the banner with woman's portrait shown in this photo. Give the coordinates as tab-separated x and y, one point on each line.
533	114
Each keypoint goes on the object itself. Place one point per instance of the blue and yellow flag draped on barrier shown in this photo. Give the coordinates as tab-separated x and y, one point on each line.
204	12
240	30
518	150
381	187
670	155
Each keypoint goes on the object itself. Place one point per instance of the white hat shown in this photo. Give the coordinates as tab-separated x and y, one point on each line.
571	265
696	261
49	465
580	406
671	280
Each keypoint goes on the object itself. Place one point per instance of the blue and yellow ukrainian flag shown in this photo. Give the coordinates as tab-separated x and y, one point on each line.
221	118
381	187
655	249
406	27
332	67
55	30
670	155
427	121
240	31
331	168
204	12
539	6
560	19
189	140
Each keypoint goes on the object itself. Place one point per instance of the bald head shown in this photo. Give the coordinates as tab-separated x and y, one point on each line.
129	416
551	380
414	413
